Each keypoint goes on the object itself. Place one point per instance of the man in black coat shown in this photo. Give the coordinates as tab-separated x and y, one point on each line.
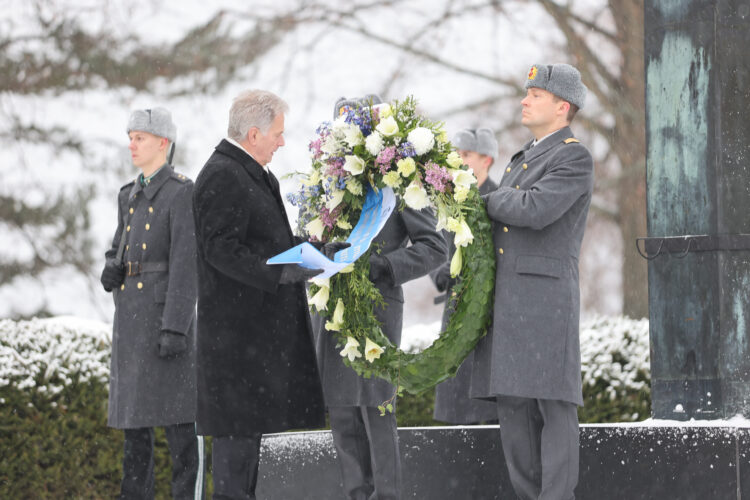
256	363
150	271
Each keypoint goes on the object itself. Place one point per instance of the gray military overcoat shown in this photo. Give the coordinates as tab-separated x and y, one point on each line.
341	384
539	216
452	401
144	389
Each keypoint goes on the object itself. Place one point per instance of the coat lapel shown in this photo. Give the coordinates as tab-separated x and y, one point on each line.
548	143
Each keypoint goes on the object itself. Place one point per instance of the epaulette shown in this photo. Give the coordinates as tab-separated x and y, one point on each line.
179	177
128	185
570	140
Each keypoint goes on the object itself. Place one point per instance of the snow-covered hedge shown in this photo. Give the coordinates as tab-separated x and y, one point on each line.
50	353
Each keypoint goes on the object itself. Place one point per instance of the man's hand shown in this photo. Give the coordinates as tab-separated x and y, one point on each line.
113	275
330	249
293	273
379	268
171	344
442	278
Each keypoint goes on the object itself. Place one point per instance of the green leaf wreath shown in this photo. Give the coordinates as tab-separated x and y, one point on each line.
390	145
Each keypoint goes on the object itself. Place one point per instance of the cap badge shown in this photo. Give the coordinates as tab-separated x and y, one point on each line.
533	72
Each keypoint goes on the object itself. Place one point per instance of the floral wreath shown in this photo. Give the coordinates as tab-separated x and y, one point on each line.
390	145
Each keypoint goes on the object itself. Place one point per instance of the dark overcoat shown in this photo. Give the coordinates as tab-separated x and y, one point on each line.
256	362
160	293
341	384
539	216
452	401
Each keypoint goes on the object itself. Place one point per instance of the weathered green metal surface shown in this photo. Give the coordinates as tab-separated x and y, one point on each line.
698	172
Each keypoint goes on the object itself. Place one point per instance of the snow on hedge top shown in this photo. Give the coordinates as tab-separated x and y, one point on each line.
50	353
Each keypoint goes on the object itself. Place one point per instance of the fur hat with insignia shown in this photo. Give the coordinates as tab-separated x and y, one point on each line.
157	121
563	80
343	102
481	140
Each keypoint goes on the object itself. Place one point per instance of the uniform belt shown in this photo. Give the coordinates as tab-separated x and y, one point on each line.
136	268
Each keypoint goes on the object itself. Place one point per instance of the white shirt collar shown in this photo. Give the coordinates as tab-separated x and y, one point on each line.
537	141
232	141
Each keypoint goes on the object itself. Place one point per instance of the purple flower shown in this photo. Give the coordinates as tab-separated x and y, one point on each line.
385	157
437	177
406	150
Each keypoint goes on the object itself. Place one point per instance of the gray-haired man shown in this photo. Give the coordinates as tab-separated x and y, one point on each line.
478	149
530	362
150	269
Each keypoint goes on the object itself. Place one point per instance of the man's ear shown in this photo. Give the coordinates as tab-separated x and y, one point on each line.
564	108
164	143
252	135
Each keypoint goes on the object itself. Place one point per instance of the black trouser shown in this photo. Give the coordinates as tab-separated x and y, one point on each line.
186	450
235	462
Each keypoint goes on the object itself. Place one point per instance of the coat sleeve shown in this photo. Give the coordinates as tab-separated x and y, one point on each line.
427	251
223	208
111	253
567	179
179	308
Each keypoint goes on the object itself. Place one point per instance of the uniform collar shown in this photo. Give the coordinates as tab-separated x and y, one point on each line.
242	157
548	143
157	181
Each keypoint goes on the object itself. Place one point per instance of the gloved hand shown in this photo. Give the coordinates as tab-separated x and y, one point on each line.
113	275
293	273
171	344
442	278
380	269
330	249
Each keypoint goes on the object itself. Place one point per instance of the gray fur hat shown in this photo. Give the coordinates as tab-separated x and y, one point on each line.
355	101
157	121
481	140
563	80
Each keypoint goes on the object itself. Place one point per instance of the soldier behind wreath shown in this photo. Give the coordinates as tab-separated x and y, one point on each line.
150	268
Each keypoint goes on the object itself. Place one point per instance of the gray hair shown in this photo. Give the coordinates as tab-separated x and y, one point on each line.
254	108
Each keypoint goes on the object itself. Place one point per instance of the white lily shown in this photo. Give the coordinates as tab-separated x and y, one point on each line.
387	126
337	322
416	197
315	228
463	178
372	350
336	198
351	349
320	299
354	164
456	263
460	228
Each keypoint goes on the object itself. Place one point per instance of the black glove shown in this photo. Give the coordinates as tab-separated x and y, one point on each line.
113	275
293	273
380	269
330	249
442	279
171	344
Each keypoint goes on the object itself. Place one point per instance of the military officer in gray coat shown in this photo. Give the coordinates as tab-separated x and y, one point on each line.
478	150
530	362
367	443
150	268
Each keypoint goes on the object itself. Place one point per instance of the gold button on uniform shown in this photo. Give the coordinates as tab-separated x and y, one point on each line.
505	229
500	251
127	247
140	285
148	226
144	246
525	166
150	210
131	210
518	187
507	169
122	287
127	228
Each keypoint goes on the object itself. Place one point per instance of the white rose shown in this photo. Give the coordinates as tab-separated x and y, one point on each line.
454	159
315	228
387	126
416	197
422	139
374	143
372	350
336	198
354	164
353	136
464	178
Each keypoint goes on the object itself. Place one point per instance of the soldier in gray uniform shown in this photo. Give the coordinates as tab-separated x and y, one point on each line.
367	443
478	149
150	268
530	362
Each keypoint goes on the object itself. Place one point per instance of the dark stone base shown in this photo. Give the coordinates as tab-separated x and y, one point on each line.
617	462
